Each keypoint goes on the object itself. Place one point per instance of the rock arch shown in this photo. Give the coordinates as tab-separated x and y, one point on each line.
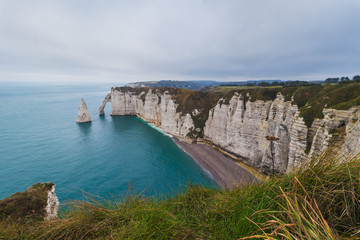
106	100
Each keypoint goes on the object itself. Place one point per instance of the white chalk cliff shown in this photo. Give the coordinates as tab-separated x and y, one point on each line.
83	114
155	107
52	204
243	127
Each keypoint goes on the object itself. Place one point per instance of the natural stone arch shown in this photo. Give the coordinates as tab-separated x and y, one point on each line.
106	100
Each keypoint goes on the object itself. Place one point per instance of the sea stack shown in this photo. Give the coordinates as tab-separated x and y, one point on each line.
83	115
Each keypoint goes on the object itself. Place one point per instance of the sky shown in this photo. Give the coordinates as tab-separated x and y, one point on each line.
140	40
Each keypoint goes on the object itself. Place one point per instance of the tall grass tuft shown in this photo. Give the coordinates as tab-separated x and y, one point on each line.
299	218
322	201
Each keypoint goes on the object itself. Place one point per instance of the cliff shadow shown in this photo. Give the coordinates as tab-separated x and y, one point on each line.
103	118
122	124
85	128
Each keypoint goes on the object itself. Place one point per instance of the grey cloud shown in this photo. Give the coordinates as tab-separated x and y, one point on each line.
150	40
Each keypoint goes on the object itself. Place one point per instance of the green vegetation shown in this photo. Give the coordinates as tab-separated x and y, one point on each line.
321	201
342	80
26	205
340	97
189	100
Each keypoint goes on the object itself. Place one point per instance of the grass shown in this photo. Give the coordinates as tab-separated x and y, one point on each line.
319	201
26	205
340	97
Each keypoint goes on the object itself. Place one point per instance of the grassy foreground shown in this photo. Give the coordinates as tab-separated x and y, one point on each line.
321	201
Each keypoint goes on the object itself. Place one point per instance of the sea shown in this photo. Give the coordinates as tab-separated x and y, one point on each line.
111	157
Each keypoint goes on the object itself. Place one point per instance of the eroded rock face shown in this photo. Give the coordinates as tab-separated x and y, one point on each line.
52	205
339	129
242	128
154	107
106	100
269	135
83	114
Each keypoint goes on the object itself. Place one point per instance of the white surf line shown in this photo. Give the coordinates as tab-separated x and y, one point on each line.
207	172
156	128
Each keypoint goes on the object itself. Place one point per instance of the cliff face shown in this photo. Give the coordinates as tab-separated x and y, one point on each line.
268	135
155	107
244	128
339	130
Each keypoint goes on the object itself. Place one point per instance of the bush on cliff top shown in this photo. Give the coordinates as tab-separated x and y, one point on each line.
321	201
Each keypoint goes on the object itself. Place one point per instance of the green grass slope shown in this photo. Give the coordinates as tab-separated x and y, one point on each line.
321	201
29	204
342	97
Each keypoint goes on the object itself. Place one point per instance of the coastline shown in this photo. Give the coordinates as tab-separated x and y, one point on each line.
226	172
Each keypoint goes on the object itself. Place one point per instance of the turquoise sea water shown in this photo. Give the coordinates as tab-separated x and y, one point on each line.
40	142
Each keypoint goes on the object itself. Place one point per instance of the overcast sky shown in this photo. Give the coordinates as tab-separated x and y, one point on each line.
127	41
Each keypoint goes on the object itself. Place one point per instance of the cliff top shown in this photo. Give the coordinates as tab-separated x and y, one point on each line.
28	204
311	99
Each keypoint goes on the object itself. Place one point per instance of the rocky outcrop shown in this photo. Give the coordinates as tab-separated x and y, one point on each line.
339	129
83	114
52	204
270	136
38	202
